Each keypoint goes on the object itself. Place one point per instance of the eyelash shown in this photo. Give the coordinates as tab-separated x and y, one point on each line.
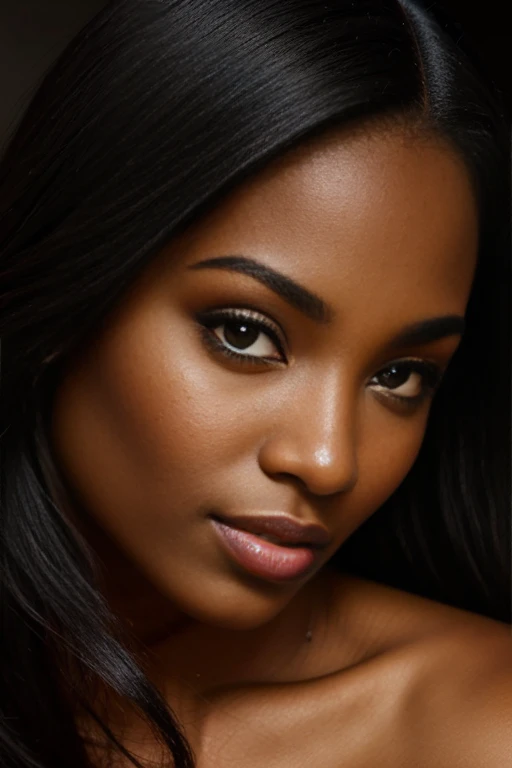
430	372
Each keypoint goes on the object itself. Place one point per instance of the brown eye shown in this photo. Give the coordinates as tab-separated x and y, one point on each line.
408	380
233	330
240	334
246	336
395	377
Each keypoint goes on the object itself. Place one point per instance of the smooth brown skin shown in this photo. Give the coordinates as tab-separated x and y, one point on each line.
153	431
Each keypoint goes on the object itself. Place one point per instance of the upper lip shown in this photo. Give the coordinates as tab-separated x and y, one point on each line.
286	529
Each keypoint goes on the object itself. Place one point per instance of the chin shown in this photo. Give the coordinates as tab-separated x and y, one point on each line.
240	609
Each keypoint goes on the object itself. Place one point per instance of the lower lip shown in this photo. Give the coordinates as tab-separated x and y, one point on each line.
263	558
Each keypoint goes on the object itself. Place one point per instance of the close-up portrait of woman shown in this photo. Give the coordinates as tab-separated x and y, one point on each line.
255	444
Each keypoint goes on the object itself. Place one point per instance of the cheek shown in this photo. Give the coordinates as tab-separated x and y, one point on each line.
387	453
146	427
132	436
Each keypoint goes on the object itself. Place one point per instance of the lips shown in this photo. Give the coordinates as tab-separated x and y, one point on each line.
280	529
272	562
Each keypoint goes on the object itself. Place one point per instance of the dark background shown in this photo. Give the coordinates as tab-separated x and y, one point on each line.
33	32
487	27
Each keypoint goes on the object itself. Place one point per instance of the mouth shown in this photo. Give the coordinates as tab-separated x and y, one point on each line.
265	555
281	529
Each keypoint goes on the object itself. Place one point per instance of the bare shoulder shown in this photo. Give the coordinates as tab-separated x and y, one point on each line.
388	617
439	678
453	704
423	685
458	710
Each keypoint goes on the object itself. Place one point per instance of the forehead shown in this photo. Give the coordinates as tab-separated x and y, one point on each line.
378	212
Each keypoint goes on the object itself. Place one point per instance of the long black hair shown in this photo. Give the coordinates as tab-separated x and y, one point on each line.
154	111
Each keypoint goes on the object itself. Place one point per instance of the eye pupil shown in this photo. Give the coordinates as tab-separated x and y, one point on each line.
243	337
394	377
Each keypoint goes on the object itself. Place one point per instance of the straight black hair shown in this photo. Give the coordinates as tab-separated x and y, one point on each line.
154	111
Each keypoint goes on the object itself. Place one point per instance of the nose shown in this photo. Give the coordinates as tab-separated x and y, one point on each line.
314	437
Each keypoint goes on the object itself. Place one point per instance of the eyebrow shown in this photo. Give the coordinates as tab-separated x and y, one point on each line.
312	306
293	293
426	331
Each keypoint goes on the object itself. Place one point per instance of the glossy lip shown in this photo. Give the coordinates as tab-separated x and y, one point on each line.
263	558
287	530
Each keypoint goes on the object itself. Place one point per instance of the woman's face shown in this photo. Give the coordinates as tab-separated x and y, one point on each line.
157	425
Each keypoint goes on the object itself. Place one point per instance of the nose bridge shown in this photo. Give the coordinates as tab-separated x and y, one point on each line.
330	422
316	434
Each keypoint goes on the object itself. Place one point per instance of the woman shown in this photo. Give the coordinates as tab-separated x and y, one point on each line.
255	284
